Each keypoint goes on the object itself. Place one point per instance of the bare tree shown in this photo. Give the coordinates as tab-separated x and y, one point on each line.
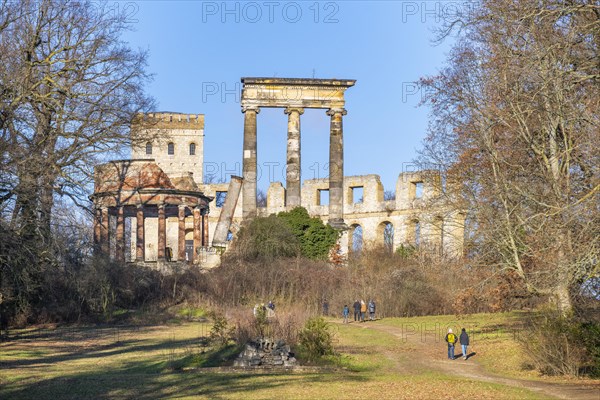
69	89
516	125
74	89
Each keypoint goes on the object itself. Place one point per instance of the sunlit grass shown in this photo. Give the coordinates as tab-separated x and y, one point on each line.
138	362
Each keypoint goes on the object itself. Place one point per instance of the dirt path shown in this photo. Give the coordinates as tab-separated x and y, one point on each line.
425	355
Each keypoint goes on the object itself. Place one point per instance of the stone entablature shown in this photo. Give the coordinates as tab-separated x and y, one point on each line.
295	92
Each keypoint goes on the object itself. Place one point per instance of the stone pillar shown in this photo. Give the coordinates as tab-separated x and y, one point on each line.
205	227
292	176
181	234
162	232
97	230
197	233
249	167
119	236
336	168
140	245
226	216
104	233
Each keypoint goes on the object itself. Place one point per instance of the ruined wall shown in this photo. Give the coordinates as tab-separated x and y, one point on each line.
417	203
416	213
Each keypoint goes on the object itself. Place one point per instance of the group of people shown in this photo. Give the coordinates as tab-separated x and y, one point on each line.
268	310
451	339
360	310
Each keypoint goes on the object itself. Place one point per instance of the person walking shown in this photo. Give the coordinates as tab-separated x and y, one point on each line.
325	307
346	313
464	342
363	310
371	307
451	339
356	306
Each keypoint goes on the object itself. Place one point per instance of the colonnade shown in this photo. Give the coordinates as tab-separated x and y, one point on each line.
293	178
102	229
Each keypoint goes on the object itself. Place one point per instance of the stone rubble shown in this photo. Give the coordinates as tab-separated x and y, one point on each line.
266	352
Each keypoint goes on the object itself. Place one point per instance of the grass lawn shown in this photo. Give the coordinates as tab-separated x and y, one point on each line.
133	362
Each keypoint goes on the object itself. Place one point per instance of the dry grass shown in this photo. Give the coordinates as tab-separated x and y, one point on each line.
132	362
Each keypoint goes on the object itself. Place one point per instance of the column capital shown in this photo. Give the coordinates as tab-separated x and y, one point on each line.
289	110
256	109
332	111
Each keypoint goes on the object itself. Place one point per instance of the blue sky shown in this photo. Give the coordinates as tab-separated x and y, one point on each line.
199	50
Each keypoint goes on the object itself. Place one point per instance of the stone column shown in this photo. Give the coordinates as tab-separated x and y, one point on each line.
140	243
97	230
104	234
204	215
249	167
162	232
292	176
336	168
181	234
119	236
197	233
226	215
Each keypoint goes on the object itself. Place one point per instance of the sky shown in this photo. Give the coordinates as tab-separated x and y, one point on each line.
199	50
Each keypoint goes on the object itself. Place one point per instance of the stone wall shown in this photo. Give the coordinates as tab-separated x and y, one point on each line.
417	203
181	130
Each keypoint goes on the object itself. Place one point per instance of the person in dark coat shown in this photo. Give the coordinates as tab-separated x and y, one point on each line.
356	306
464	342
371	308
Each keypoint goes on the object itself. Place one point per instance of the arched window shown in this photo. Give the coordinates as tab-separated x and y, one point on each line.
192	149
388	236
171	148
149	148
356	239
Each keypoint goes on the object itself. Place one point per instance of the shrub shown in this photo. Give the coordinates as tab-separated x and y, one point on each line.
285	325
266	239
316	339
559	345
221	332
316	239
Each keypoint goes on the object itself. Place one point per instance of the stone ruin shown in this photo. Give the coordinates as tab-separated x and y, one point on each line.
266	353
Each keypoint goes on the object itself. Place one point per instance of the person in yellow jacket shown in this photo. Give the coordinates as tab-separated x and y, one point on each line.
451	339
363	310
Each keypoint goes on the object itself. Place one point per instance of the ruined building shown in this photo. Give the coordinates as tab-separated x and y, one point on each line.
155	207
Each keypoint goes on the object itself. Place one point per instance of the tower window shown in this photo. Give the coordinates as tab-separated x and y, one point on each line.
171	148
192	149
149	148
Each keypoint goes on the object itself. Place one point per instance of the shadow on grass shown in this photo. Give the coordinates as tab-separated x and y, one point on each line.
460	355
94	352
128	382
49	346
